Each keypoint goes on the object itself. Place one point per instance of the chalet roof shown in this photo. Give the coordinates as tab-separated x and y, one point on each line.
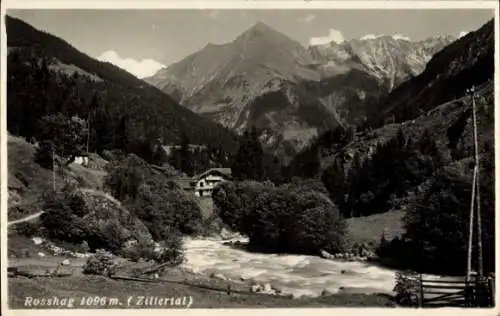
224	171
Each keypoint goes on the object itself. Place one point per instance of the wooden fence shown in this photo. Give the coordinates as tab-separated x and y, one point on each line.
456	293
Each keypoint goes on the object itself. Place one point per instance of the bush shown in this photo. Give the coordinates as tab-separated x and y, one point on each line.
232	201
100	264
305	222
407	288
112	155
213	225
27	229
298	185
125	176
84	247
140	250
60	219
281	219
160	207
155	200
74	217
428	245
172	251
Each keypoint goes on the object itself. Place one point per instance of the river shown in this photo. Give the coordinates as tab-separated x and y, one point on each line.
293	274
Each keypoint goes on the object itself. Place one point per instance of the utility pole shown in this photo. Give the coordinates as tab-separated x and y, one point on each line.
53	167
88	133
478	185
471	228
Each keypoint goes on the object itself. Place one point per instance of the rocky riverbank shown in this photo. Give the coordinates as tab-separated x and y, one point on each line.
295	275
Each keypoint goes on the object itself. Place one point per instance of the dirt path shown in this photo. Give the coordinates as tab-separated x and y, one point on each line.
25	219
84	190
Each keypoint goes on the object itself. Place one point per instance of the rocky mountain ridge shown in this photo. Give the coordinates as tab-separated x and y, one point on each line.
466	62
436	102
290	92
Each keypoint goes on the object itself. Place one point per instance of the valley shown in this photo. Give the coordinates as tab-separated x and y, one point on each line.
270	81
330	170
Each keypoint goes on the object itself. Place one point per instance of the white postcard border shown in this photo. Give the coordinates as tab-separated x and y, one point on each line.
240	5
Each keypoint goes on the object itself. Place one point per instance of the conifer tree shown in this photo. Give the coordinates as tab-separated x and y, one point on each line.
310	164
240	163
121	140
186	155
247	164
274	169
257	155
92	107
335	182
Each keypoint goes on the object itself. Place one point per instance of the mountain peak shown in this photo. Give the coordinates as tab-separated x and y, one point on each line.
262	27
262	30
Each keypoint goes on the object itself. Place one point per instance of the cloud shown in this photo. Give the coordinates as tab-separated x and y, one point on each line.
140	69
333	36
395	36
307	19
462	34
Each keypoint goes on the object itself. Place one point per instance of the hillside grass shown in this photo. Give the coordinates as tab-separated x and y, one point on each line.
85	286
369	229
27	181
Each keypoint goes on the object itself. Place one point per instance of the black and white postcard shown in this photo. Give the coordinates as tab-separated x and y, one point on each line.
163	156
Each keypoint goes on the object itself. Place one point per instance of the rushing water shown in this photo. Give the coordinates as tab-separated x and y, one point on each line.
293	274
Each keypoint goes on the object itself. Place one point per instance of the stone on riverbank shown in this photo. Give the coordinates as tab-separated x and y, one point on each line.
326	293
265	289
219	276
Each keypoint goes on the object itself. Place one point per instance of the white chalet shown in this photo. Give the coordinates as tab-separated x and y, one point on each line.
205	182
82	160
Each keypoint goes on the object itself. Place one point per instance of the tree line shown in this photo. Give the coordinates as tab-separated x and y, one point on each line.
115	117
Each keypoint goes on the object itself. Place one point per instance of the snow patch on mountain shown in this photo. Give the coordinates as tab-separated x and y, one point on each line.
268	80
375	36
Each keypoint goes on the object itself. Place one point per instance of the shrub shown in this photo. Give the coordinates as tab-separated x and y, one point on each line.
76	217
25	253
84	247
155	200
305	222
407	288
111	155
299	185
288	218
125	176
100	264
111	234
232	201
60	219
28	229
160	207
172	251
213	225
140	250
428	245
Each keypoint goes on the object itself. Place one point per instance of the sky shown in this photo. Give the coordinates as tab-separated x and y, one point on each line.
143	41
